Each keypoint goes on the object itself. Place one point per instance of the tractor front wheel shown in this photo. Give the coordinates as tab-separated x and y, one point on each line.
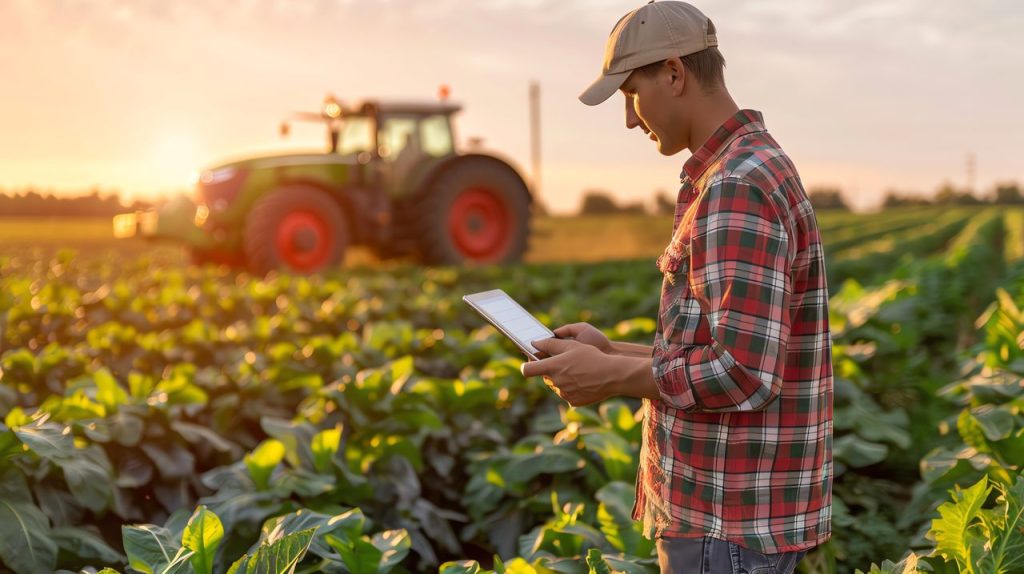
476	212
297	228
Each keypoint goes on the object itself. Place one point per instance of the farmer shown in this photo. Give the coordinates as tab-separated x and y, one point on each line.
735	464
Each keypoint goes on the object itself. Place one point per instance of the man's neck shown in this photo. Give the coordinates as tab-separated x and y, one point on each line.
719	108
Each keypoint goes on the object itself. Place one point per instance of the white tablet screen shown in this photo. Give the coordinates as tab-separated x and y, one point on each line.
517	322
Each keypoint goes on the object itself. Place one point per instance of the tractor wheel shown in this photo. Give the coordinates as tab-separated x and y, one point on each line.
297	228
475	212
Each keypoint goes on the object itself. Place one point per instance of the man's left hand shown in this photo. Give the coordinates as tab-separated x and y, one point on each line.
578	373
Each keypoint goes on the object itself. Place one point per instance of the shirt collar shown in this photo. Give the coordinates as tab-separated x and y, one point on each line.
742	123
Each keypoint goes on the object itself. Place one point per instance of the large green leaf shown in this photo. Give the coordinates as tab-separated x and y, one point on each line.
597	563
858	452
262	461
615	453
347	525
108	392
89	476
632	564
360	556
26	542
953	539
394	546
86	546
150	548
906	566
1005	547
171	460
615	515
47	439
324	446
461	567
296	437
199	434
549	460
237	508
278	557
996	422
123	427
202	535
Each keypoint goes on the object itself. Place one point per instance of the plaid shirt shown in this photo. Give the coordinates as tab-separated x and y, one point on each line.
739	447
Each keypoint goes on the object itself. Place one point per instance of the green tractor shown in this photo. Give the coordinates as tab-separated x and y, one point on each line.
392	180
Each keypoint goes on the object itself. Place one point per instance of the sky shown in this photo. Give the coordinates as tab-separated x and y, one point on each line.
864	96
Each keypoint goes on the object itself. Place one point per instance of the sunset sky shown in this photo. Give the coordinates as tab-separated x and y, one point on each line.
138	95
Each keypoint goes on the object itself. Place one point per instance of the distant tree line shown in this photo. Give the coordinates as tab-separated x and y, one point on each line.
95	203
599	202
1008	193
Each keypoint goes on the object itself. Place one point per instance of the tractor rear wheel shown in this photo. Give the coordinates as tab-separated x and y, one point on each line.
297	228
475	212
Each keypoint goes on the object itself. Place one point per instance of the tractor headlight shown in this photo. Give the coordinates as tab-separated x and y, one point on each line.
216	176
202	213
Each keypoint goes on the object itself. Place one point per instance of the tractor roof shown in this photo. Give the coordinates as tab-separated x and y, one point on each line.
408	107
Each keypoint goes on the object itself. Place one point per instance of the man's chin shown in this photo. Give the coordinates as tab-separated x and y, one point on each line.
667	150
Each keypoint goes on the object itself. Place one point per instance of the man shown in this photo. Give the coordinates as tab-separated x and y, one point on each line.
736	465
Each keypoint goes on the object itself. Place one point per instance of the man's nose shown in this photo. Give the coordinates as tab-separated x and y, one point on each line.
632	119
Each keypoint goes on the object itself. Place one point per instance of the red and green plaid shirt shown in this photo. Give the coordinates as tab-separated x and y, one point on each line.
739	447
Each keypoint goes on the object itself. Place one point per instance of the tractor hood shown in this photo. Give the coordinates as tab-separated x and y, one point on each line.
278	160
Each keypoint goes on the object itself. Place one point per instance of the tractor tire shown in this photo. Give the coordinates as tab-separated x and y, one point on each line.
474	212
295	228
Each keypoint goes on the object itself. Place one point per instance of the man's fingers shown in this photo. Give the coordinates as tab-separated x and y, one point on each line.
570	330
553	346
535	368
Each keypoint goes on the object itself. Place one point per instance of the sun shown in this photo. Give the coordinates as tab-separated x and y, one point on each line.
175	158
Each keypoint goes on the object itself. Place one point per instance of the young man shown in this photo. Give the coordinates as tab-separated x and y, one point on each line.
736	464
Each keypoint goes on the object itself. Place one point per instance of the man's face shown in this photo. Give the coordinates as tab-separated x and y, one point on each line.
649	106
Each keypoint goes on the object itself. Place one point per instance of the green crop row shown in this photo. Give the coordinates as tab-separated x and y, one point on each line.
280	413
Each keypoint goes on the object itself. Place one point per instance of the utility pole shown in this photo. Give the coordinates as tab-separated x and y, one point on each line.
535	137
971	169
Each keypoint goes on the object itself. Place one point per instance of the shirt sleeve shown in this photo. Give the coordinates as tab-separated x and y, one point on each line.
741	276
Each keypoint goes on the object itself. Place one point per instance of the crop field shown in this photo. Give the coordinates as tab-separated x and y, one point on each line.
159	417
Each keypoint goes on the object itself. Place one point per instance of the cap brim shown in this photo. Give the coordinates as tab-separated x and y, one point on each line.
603	88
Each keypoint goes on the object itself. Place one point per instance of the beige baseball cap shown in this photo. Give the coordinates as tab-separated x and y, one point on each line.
653	32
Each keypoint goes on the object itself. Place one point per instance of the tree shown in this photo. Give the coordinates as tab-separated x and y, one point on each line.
949	194
597	202
663	203
1008	193
827	198
895	198
34	203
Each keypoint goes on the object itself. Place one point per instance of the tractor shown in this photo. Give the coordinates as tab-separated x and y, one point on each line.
392	179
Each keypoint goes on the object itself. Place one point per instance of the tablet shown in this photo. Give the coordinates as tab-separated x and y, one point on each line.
510	318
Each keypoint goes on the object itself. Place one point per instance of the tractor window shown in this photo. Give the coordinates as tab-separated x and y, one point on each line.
396	134
356	135
436	136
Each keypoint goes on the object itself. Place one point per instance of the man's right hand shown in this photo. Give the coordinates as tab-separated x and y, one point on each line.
587	334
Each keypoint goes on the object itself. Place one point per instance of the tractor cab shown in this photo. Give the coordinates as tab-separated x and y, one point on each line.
399	137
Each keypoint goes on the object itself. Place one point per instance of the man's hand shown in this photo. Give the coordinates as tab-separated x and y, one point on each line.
576	372
585	333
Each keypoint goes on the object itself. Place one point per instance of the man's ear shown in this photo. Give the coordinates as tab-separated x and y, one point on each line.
677	75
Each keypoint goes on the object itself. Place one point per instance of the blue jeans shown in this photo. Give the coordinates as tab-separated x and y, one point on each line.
713	556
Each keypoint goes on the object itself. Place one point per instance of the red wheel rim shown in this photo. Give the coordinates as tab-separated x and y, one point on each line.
304	241
480	225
